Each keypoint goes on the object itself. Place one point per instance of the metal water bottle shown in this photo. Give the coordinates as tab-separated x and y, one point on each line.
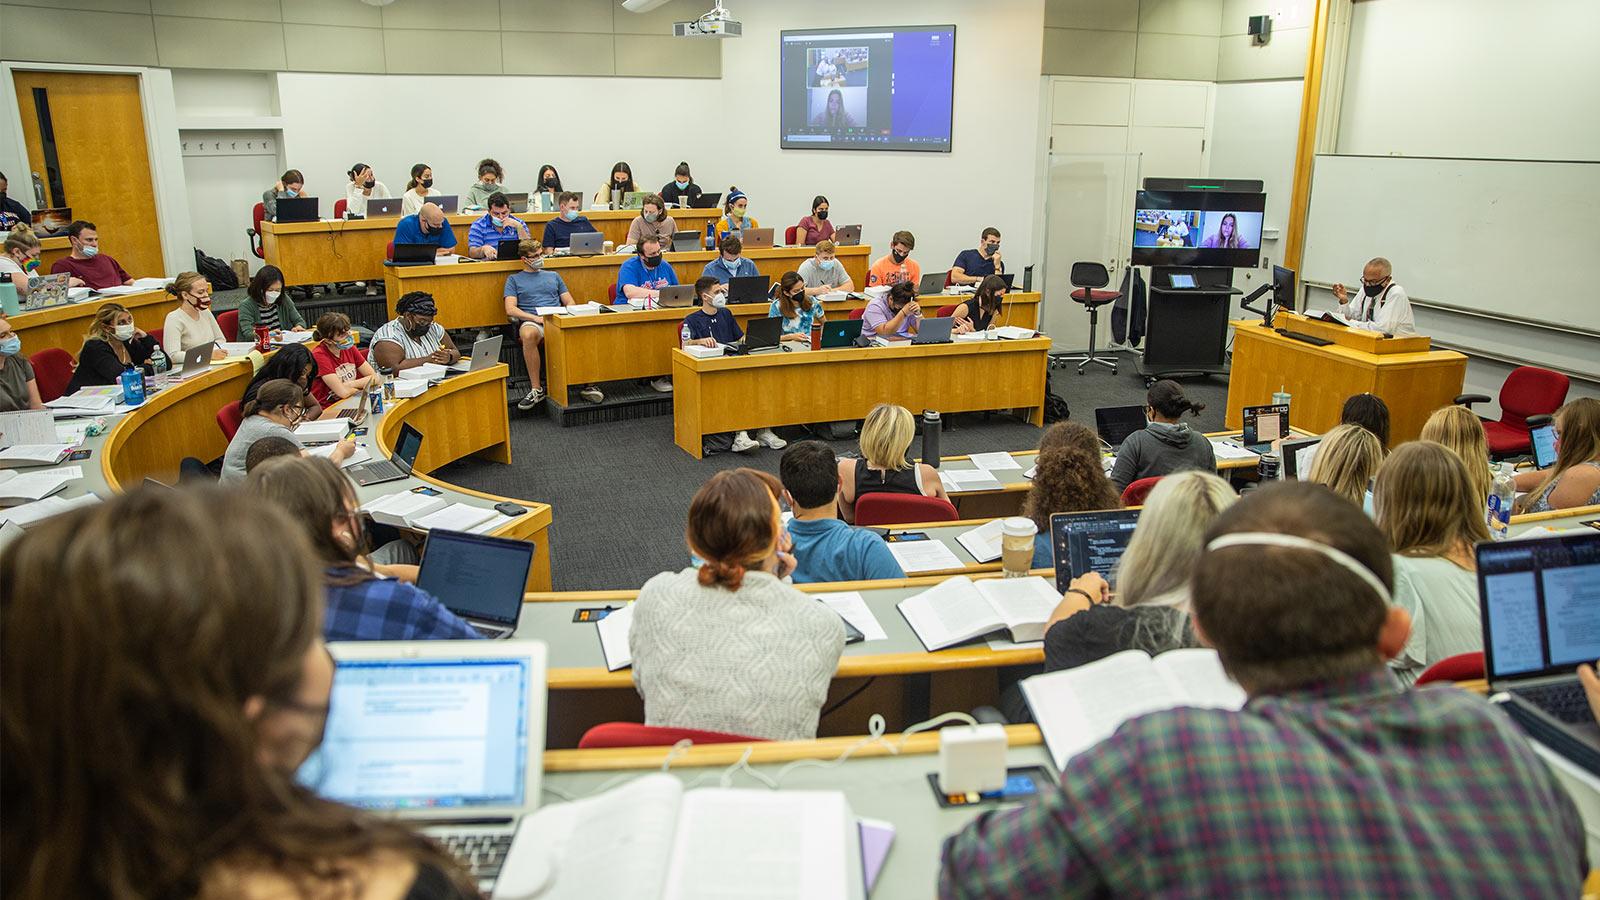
930	437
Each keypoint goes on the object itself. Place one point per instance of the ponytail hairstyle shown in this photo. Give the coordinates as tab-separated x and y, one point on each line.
184	283
276	393
416	175
733	525
1166	397
788	307
1068	476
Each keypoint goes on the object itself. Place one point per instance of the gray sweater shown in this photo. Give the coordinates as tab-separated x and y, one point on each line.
1160	449
755	662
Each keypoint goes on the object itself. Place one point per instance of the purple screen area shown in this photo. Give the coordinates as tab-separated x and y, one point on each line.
924	67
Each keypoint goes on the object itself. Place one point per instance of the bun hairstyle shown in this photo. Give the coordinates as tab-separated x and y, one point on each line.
357	169
21	238
733	525
184	283
1166	397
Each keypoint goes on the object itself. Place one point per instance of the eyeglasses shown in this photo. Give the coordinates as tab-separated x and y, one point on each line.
1375	282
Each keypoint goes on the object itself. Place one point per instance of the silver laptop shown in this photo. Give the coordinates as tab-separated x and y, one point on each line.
448	202
931	283
757	238
448	735
485	353
196	360
933	331
847	235
686	241
588	243
381	208
519	202
678	296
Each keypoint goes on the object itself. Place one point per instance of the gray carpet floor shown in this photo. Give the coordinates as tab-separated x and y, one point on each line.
620	491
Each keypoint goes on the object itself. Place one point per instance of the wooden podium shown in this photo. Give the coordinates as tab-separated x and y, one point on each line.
1411	378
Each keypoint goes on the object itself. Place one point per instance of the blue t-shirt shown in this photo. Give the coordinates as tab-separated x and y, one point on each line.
409	231
633	272
722	326
558	232
483	231
973	263
718	268
830	550
801	323
535	289
382	609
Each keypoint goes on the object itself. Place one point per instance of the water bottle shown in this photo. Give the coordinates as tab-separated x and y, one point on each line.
1280	397
161	365
683	336
132	386
930	437
816	334
1501	499
711	235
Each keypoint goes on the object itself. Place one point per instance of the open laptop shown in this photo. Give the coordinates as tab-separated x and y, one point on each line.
749	289
1115	423
686	241
677	296
1009	278
395	467
446	202
414	255
931	283
358	413
485	353
763	333
297	209
757	238
446	735
933	331
587	243
47	290
1263	425
1297	457
196	360
479	578
1543	440
508	248
847	235
842	333
1536	599
1089	542
519	202
705	201
634	199
383	208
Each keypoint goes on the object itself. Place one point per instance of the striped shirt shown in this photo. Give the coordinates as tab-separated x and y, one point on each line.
266	315
413	348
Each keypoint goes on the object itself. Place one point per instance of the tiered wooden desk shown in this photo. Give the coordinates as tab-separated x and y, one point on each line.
64	326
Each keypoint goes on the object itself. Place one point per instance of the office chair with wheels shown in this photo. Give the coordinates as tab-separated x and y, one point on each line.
254	231
1529	391
1089	278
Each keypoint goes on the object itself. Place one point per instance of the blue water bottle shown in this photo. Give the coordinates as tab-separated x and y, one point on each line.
132	386
711	235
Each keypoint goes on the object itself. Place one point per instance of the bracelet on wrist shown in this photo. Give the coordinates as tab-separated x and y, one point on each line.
1082	593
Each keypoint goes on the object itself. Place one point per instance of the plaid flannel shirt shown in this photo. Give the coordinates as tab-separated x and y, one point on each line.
382	609
1345	789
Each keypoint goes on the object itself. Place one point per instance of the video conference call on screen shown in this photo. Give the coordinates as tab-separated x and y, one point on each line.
1197	228
868	88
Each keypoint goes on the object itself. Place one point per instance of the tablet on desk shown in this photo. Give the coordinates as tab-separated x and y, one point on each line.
1181	280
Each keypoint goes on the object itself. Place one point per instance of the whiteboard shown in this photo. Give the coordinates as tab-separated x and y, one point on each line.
1511	239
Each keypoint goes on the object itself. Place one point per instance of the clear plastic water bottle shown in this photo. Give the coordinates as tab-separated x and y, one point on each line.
683	336
161	365
1501	498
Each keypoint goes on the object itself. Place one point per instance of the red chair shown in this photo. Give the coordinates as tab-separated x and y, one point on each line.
229	417
52	371
229	323
388	253
1461	667
254	231
898	509
789	235
946	312
1529	391
1134	494
611	292
631	734
1088	277
858	313
158	334
339	207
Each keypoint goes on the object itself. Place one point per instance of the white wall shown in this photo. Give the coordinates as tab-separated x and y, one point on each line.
1253	136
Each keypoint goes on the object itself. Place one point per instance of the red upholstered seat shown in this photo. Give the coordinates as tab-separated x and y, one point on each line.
1134	493
631	734
1461	667
858	313
898	509
229	417
1528	391
52	371
789	235
339	207
256	215
229	323
946	312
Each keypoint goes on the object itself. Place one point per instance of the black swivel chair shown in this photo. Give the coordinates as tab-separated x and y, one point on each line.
1089	278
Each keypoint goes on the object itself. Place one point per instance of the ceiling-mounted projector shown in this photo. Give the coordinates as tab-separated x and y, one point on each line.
715	24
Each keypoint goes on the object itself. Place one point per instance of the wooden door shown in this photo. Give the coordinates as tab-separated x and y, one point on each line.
103	156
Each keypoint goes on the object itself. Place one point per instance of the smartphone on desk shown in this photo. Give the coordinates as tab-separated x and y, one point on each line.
905	537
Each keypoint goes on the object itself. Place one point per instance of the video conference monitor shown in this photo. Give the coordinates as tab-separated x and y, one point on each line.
1197	228
868	88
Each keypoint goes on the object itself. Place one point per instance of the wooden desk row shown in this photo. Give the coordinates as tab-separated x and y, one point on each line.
335	250
66	326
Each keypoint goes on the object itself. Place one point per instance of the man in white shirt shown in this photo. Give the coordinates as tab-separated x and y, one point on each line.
1382	305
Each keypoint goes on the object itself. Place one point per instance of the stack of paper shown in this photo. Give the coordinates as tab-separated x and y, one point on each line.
455	517
923	556
1230	450
83	404
970	337
423	372
1014	332
31	426
958	481
983	542
34	454
403	509
583	309
29	514
356	458
852	607
25	487
237	348
322	431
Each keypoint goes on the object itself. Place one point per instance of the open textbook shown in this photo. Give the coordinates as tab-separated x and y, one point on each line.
959	609
650	838
1078	708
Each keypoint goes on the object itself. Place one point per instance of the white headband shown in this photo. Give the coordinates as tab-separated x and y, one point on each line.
1264	539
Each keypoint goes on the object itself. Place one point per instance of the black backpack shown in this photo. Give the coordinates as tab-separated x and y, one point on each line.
219	273
1055	408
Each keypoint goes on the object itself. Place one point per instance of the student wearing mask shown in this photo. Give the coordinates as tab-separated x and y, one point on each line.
972	265
191	324
652	220
897	265
730	262
291	185
558	231
13	213
364	185
621	180
266	305
796	307
1428	509
1382	305
526	292
1068	477
275	410
1458	429
815	228
1347	460
884	467
361	606
824	273
681	190
21	258
896	314
772	681
736	218
1370	412
418	189
644	275
710	325
412	338
211	642
491	177
1575	478
428	225
293	363
979	313
549	180
825	548
343	371
18	388
1323	733
1166	444
494	226
86	264
112	344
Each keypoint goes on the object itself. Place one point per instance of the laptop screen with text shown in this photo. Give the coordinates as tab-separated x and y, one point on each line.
1540	604
1090	542
475	576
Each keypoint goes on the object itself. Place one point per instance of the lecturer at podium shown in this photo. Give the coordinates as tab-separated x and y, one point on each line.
1382	305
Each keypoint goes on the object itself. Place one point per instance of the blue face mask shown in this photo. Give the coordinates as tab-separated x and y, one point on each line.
826	265
570	215
681	184
291	192
11	346
347	343
732	265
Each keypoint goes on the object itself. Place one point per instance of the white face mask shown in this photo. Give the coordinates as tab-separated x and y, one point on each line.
719	300
124	332
271	297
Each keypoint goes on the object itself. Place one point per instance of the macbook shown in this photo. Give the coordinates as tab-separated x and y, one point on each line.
847	235
297	209
414	255
519	202
933	331
749	289
395	467
485	353
46	290
479	578
841	333
677	296
1089	542
587	243
1115	423
634	199
1263	425
358	413
763	333
196	360
757	239
705	201
388	206
686	241
446	735
447	202
932	283
1543	439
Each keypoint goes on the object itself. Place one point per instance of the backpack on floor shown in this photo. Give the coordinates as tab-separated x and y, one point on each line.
721	442
219	273
1055	408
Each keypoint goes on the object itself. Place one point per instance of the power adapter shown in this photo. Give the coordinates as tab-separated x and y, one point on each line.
972	759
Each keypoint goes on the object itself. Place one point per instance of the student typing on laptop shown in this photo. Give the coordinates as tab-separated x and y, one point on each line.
712	324
427	225
558	231
643	276
413	338
191	324
494	226
526	292
895	314
1166	444
276	409
729	262
223	658
793	303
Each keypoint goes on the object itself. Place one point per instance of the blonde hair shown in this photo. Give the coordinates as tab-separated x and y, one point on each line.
1425	503
1578	424
886	436
185	283
1458	429
1169	538
826	246
1346	461
21	238
100	327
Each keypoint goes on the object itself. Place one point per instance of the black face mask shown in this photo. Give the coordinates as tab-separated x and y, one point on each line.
417	331
550	182
822	215
1373	290
369	184
650	262
427	182
897	256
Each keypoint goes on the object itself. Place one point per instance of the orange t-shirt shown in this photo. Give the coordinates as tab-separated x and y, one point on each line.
887	271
